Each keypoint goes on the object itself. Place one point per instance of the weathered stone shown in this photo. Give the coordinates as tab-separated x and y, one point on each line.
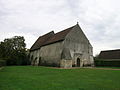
66	63
72	49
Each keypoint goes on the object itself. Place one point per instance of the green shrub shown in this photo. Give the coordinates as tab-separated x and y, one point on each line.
2	63
111	63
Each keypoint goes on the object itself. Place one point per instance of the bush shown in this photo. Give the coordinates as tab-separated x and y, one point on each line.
111	63
2	63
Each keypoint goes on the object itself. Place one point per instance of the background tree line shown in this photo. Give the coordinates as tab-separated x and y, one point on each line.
13	51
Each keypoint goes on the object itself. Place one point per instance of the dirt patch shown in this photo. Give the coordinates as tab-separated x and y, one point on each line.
1	68
102	68
85	67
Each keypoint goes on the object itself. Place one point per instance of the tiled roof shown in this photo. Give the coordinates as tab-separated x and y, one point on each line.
50	38
41	41
59	36
110	54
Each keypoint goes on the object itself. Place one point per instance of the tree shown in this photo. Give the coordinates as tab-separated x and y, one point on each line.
13	51
96	56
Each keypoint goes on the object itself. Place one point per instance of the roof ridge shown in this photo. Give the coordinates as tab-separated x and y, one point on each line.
51	37
111	50
47	33
37	45
66	29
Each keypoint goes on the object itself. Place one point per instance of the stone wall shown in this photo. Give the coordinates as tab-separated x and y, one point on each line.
65	53
79	46
66	63
34	57
48	55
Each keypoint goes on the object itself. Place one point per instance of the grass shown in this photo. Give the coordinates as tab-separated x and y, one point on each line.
108	67
44	78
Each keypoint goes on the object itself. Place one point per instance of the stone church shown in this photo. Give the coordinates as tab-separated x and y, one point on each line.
66	49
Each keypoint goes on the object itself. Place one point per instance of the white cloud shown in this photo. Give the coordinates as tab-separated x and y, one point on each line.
29	38
99	19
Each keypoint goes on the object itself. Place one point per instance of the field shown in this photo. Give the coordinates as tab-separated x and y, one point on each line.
44	78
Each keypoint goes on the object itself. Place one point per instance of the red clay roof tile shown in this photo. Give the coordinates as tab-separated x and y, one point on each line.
50	38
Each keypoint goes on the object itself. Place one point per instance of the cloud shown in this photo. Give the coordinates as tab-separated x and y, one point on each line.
99	19
28	37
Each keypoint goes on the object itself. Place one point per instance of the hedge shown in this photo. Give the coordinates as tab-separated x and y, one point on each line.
111	63
2	63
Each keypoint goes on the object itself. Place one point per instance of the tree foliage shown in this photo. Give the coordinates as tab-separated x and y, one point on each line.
13	51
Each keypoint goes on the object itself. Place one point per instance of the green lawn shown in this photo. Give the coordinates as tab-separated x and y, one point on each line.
110	67
44	78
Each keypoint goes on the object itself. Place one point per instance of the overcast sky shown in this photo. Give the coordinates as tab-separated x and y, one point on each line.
99	20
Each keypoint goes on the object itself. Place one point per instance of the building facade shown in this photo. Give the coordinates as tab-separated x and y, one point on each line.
110	54
108	58
66	49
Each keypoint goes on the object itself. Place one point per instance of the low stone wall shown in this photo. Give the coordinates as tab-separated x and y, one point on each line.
66	63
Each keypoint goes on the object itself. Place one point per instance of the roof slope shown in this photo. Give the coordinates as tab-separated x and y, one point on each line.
41	41
59	36
110	54
50	38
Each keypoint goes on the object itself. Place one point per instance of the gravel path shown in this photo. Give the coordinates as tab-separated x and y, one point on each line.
81	68
102	68
86	67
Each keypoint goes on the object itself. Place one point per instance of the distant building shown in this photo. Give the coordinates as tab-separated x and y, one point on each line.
66	49
109	58
110	54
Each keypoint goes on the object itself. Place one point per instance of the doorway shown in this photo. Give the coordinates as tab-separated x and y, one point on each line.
78	62
39	63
